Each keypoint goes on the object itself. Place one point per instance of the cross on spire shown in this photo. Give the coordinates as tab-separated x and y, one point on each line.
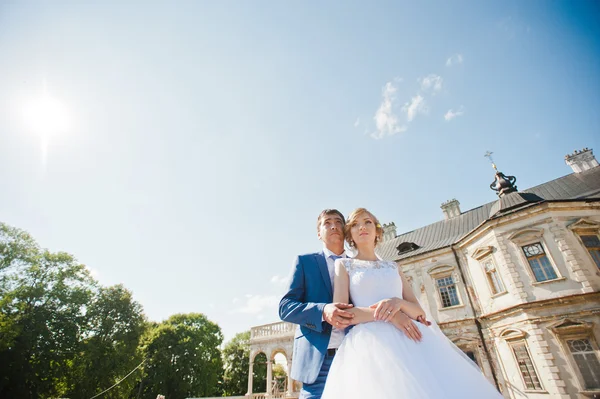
488	154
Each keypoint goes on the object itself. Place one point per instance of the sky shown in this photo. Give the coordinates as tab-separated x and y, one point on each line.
185	149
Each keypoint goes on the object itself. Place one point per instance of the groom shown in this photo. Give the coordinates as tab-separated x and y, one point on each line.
308	303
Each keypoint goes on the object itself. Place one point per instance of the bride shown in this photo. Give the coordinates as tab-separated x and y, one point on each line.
377	360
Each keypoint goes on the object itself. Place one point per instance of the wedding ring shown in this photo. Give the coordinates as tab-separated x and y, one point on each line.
389	311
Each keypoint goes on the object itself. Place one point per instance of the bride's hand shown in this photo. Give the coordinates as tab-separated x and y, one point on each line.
386	309
405	324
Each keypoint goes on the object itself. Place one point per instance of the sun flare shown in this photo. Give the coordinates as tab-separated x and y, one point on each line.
46	115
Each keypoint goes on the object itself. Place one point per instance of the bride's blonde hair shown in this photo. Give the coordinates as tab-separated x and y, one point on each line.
352	220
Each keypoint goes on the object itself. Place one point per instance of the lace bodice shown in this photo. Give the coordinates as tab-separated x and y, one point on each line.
372	281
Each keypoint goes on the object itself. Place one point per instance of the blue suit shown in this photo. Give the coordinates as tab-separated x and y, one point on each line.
308	293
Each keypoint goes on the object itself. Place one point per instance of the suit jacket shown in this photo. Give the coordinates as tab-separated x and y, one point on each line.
308	293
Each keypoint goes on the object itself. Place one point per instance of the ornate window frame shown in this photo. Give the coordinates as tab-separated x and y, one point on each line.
482	255
529	236
442	271
466	344
585	226
568	329
513	337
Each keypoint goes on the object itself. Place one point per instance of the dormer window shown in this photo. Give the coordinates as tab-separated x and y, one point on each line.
406	247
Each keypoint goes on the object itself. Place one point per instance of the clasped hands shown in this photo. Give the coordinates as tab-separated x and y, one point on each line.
388	310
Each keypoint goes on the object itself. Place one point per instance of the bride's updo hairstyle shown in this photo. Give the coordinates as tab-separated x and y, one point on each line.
353	219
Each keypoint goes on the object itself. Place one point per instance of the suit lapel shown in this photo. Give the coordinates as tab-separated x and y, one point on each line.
324	271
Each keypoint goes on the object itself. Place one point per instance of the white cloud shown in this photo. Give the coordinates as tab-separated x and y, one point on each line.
256	304
453	114
431	81
386	122
357	122
415	106
279	280
454	60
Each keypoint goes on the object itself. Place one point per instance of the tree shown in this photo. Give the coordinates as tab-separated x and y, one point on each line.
183	358
109	350
60	333
236	363
42	303
259	373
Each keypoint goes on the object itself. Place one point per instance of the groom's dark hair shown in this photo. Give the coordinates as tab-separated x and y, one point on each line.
327	212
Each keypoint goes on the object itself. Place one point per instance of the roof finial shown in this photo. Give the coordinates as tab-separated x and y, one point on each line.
488	154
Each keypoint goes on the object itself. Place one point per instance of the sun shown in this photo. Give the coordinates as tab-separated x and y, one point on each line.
46	116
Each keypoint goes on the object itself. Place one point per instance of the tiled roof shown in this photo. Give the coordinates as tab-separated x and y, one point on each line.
446	232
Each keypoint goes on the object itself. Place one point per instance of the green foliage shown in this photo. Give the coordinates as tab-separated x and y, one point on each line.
64	335
236	359
183	358
109	350
259	373
42	304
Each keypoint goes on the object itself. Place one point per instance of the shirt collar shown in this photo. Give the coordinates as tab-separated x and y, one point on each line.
328	253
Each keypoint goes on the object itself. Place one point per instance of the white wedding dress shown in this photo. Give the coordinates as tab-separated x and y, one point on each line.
376	360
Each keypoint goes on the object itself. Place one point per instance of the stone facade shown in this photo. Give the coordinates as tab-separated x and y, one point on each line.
489	322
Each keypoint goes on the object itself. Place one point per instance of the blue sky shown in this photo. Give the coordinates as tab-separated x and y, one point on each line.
201	139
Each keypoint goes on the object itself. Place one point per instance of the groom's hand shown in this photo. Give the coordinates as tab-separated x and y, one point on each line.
334	314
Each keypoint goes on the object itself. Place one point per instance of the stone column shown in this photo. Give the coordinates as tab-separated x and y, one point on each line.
566	244
543	357
290	382
269	377
250	380
510	275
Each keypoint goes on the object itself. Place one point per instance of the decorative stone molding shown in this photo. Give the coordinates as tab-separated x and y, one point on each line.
570	326
441	270
482	252
585	226
511	334
526	235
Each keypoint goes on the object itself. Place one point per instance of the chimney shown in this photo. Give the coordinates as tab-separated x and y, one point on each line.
451	208
581	161
389	231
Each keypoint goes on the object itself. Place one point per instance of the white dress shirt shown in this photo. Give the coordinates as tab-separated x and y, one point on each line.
337	335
